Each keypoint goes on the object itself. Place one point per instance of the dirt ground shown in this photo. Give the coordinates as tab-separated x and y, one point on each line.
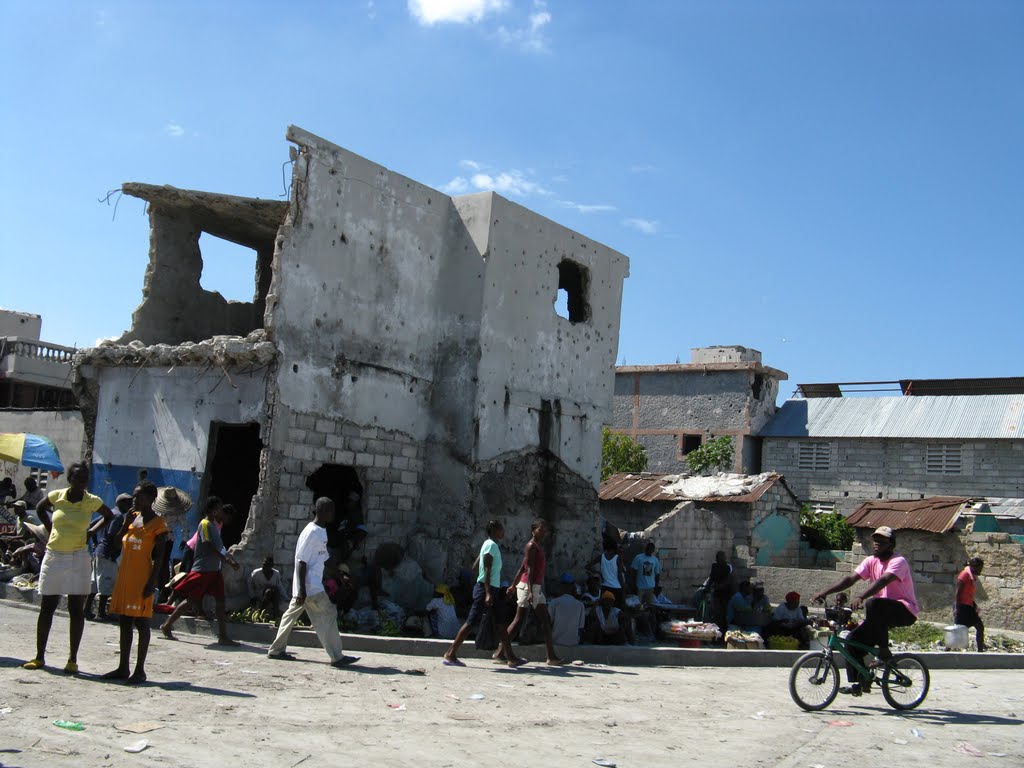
235	707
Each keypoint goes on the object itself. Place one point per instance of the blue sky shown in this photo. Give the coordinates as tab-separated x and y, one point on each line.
837	184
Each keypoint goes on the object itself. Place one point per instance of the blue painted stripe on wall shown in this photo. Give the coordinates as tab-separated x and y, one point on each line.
109	481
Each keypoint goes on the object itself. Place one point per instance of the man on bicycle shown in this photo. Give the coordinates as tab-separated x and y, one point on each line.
888	602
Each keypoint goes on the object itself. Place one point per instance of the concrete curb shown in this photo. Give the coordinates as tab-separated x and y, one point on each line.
613	655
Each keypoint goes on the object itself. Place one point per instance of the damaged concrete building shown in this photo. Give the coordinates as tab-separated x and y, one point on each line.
402	348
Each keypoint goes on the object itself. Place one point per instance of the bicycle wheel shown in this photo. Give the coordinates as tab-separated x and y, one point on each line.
814	681
905	681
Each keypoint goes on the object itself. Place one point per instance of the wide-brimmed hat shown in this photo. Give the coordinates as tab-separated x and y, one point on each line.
171	501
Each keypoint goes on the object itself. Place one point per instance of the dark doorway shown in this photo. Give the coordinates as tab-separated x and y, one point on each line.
341	485
233	473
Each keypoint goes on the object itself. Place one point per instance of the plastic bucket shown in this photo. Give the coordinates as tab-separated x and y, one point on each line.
956	637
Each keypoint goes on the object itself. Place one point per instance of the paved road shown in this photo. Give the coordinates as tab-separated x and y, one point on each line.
235	707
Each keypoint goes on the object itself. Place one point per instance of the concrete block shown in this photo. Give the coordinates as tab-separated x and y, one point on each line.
376	446
399	462
368	432
350	430
376	474
316	439
364	460
296	435
410	478
410	451
334	441
302	452
324	426
305	421
346	458
357	444
382	460
404	503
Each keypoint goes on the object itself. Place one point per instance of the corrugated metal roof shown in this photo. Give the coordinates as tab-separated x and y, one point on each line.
649	487
1005	508
959	417
937	514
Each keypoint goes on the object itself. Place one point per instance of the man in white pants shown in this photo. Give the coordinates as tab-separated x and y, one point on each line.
308	591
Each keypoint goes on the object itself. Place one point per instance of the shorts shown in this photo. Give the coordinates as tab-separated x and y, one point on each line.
104	575
479	605
523	593
966	615
198	584
66	573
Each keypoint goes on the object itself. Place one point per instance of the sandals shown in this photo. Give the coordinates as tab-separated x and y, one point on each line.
34	664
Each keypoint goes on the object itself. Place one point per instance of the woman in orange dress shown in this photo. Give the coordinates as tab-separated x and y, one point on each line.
145	539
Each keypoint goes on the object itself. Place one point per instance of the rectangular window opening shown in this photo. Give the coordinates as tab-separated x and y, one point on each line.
571	299
228	268
691	443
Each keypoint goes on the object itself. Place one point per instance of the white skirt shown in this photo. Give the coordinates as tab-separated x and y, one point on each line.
66	573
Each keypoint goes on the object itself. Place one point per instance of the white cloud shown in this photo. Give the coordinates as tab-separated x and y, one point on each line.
472	165
174	130
585	208
430	12
645	168
371	10
647	226
511	182
457	186
531	37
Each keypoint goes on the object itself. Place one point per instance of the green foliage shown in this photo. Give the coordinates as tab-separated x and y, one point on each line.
921	633
714	454
620	453
825	530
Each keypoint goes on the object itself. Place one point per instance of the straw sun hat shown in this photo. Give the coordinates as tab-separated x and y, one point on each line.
171	502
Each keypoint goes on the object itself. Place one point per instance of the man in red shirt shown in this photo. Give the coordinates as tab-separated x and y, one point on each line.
965	610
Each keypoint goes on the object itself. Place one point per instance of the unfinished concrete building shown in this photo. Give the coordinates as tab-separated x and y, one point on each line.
402	346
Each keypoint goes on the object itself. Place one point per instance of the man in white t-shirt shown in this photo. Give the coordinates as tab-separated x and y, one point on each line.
309	593
567	614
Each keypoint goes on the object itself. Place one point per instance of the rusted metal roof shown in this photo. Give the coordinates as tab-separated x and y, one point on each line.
937	514
650	487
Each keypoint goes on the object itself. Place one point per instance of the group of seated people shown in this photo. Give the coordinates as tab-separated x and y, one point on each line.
23	544
749	610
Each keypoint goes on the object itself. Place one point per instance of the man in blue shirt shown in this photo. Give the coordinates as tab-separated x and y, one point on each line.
646	570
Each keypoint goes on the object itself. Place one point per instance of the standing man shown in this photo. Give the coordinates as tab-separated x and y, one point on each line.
889	601
308	590
528	587
965	609
486	593
646	570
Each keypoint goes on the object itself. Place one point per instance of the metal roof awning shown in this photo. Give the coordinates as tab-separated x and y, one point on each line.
937	514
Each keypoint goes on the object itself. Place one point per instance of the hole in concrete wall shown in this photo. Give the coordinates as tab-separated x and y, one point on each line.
571	300
228	268
233	472
757	388
691	443
341	485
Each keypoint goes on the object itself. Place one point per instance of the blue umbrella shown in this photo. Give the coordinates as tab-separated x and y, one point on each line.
30	450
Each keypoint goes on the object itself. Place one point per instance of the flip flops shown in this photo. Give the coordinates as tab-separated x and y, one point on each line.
452	663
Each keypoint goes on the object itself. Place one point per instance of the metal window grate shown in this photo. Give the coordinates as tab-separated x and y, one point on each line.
943	459
814	457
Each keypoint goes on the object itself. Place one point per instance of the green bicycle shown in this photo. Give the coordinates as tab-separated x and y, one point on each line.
814	679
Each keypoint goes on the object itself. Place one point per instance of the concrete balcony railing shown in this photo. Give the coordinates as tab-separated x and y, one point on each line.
35	362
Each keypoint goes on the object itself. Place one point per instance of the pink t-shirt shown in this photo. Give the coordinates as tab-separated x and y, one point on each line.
901	588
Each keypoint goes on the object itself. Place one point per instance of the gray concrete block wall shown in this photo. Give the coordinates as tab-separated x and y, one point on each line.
389	465
870	469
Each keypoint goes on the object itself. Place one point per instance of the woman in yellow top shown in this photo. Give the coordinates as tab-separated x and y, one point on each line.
145	539
67	567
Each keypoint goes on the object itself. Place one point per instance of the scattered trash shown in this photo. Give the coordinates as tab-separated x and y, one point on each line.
916	733
453	696
964	748
815	765
603	761
222	663
758	716
997	754
900	741
399	707
144	727
578	663
69	725
840	723
248	671
503	685
137	746
477	697
5	711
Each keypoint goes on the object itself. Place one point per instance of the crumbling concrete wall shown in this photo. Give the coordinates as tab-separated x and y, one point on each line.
175	308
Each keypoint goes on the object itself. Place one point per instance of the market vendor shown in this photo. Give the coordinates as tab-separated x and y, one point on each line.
610	625
790	619
739	613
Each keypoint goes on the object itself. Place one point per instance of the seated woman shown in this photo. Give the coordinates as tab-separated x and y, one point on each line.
789	619
609	627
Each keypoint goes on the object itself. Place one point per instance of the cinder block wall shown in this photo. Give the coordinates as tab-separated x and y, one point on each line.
864	470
